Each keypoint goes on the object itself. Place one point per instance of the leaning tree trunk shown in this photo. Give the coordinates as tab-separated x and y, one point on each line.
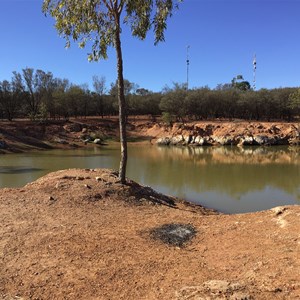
122	106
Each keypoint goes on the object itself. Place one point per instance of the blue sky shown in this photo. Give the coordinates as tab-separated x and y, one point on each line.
223	36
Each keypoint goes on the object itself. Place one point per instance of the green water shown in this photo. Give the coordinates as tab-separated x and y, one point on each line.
229	179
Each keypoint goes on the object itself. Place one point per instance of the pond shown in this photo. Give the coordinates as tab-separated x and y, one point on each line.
229	179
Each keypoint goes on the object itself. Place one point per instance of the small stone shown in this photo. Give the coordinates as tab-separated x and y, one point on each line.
278	210
97	141
87	186
58	185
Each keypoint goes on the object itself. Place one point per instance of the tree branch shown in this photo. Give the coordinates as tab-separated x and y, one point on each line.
120	8
109	7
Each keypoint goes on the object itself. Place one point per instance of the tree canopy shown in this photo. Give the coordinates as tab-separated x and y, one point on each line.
96	22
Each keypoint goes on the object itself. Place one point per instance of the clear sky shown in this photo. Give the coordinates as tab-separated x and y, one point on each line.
223	36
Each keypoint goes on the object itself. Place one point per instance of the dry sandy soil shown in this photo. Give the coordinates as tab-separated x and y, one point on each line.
79	234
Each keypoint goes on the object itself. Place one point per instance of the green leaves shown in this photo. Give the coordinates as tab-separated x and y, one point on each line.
95	22
294	101
83	21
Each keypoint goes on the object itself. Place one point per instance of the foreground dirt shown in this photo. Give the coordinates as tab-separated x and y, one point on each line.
79	234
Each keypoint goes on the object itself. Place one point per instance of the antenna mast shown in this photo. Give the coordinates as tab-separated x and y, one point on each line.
254	72
187	66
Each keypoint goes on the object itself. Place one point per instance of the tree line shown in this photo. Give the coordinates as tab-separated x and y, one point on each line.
38	95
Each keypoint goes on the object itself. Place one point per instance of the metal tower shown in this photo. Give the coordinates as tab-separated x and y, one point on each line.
187	66
254	72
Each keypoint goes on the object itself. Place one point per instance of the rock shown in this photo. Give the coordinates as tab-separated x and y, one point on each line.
3	145
274	129
74	127
294	141
193	139
61	141
219	286
214	289
203	141
278	210
280	140
263	140
176	140
224	140
198	139
59	185
97	141
187	139
246	141
86	138
209	129
165	141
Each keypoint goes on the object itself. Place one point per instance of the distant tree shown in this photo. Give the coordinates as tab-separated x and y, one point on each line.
38	84
75	99
294	102
224	86
239	83
243	86
99	85
129	88
142	92
281	103
223	103
6	99
266	104
151	104
60	86
196	103
177	86
173	103
99	22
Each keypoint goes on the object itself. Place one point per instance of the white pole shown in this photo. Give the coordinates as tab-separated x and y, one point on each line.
254	72
187	66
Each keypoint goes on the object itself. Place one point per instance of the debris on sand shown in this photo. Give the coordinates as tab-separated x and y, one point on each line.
174	234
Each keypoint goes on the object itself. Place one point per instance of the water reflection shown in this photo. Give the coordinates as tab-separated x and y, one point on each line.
17	170
230	179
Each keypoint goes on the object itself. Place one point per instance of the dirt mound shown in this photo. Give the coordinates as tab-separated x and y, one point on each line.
80	234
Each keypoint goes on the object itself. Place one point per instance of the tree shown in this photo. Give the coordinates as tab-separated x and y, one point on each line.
294	102
129	88
239	83
243	86
98	23
6	99
38	84
99	87
173	101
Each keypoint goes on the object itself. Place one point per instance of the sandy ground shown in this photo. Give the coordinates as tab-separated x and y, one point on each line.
79	234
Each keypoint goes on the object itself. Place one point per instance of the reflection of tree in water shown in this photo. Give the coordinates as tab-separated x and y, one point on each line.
231	170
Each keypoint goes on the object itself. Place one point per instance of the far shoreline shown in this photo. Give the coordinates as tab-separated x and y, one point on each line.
25	135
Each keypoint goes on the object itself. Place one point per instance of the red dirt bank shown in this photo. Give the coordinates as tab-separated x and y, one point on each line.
22	136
